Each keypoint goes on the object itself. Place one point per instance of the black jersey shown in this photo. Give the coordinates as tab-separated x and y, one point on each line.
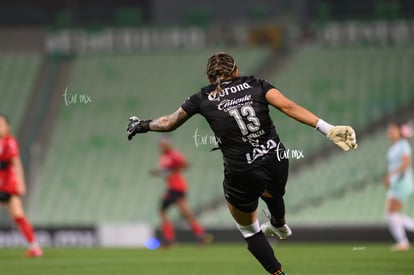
239	118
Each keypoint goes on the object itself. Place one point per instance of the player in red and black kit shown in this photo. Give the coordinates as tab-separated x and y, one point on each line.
12	185
170	166
237	110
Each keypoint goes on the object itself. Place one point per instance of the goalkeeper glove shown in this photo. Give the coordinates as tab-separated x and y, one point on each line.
343	136
137	126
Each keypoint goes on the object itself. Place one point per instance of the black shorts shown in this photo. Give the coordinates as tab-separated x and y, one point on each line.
4	165
170	197
243	189
5	197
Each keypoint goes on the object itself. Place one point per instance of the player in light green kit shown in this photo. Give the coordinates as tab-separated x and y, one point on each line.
399	181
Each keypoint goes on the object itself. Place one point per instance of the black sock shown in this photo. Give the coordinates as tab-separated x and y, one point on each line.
276	206
260	247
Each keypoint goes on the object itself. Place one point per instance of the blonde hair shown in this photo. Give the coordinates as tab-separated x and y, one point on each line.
220	66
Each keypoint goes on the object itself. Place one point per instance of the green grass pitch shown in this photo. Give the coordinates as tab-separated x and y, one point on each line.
214	259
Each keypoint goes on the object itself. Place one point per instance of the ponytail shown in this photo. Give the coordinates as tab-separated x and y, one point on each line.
220	66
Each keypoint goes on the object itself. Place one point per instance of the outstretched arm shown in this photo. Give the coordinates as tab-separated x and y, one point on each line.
343	136
290	108
169	122
165	123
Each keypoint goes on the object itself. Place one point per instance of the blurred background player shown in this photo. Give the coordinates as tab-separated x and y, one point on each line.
171	163
12	185
399	181
250	147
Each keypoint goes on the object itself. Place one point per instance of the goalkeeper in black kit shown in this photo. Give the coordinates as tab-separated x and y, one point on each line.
237	110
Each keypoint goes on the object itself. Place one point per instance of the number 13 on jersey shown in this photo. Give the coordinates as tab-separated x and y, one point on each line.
248	112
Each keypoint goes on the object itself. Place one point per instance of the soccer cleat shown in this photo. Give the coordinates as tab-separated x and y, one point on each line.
268	229
34	253
279	272
282	232
400	247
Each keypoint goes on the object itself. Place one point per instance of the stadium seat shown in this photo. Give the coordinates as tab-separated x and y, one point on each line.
346	188
92	173
353	85
17	75
97	176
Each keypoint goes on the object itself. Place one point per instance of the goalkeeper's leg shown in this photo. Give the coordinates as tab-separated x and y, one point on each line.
273	197
276	224
276	206
257	244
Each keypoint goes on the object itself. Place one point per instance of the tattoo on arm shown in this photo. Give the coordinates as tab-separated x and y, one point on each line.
169	122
